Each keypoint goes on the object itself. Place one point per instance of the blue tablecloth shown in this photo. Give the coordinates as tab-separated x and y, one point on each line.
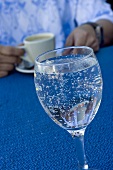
30	140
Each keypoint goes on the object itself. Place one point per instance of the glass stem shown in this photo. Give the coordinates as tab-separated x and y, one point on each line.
79	139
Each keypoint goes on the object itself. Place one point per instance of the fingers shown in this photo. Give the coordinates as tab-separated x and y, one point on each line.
94	45
3	73
89	43
10	50
80	40
70	40
6	67
8	59
7	64
9	56
83	36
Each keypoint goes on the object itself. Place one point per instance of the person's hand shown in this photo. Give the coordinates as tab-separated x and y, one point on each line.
9	57
83	35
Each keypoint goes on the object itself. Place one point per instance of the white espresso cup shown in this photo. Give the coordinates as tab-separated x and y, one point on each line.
37	44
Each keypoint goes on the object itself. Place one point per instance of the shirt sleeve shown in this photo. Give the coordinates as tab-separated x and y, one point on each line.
93	10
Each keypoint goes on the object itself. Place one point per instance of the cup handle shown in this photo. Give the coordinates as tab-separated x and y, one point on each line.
24	56
21	47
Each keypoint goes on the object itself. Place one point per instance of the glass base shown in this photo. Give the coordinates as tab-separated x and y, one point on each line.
89	169
93	169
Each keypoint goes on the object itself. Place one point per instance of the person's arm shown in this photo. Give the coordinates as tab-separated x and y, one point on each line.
83	35
107	31
86	35
94	12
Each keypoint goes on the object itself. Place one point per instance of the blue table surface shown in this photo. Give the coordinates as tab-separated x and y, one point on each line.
30	140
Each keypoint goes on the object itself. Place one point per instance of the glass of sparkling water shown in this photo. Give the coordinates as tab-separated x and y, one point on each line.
68	84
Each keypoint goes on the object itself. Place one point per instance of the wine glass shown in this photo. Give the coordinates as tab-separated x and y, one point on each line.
69	84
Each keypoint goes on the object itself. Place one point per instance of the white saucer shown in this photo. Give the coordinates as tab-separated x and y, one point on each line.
21	68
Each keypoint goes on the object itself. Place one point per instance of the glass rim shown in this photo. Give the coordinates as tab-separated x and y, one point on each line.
63	48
